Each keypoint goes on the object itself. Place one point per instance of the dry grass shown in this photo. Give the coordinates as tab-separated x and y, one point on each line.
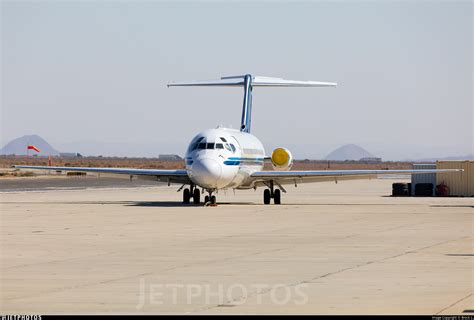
16	173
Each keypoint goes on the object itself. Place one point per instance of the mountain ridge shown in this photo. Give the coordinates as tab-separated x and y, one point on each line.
19	145
349	152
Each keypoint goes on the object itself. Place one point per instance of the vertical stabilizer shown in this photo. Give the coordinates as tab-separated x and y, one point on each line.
247	107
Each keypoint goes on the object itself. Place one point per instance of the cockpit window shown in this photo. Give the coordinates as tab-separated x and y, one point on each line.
195	144
202	145
219	146
223	139
210	145
230	147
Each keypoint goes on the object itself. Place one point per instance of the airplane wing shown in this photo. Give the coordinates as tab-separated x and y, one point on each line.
170	176
297	177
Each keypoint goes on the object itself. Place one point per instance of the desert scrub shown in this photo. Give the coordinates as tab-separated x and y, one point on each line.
24	174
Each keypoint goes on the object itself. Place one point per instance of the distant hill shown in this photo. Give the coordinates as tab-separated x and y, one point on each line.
349	152
18	146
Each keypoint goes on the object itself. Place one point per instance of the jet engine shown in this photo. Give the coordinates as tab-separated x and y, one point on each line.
282	159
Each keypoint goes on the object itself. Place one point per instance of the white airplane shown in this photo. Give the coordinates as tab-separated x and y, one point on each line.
224	158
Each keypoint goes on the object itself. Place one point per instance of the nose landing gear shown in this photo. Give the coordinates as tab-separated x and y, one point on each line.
210	199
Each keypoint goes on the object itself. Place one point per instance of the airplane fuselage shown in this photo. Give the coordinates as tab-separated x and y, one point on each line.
223	158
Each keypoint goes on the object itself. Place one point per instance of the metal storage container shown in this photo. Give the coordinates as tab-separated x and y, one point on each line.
424	177
459	183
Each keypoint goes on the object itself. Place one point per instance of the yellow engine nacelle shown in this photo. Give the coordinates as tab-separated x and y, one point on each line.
282	159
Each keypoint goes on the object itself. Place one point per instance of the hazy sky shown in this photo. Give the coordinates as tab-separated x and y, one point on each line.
90	76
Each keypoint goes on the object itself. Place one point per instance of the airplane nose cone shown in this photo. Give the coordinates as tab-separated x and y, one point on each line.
206	172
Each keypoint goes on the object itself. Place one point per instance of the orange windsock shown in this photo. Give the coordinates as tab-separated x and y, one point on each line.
31	147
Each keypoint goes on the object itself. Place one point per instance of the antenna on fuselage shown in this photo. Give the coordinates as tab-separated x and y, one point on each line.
248	82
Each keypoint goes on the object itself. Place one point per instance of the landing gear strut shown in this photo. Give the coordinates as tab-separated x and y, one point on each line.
270	193
192	192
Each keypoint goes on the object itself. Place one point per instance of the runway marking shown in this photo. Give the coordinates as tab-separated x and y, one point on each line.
57	261
91	284
340	271
455	303
185	265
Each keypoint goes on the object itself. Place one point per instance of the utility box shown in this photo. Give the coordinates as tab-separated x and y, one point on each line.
460	183
423	177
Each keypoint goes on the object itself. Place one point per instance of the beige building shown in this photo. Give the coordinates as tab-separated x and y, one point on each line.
460	184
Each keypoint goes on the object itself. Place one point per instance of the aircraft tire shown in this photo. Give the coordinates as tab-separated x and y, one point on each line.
277	196
266	196
186	195
197	196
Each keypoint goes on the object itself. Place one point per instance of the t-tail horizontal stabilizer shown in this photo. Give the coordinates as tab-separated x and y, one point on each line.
248	82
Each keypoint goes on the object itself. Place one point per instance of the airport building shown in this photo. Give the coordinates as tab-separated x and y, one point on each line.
371	160
169	157
457	184
70	155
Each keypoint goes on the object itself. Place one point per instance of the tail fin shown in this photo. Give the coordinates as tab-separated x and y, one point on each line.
248	82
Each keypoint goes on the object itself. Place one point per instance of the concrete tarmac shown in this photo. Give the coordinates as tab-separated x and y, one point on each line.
45	182
345	248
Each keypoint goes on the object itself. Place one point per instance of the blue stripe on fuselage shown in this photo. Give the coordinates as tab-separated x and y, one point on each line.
235	161
231	163
240	158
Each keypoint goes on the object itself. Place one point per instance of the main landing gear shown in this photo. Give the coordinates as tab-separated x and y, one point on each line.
192	192
270	193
